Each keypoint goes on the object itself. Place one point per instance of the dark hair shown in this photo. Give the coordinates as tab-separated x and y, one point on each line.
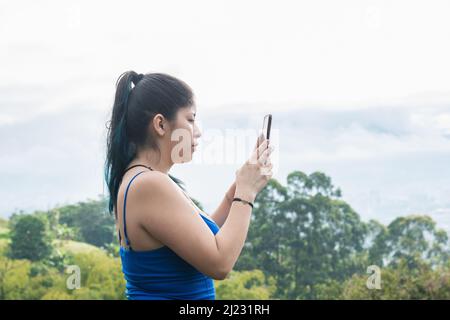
134	107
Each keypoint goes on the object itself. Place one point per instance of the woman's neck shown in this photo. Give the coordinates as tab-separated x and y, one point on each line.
152	160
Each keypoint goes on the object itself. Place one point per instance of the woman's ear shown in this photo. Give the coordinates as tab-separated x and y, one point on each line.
159	124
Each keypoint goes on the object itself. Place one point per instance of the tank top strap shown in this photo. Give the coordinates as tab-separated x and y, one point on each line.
125	234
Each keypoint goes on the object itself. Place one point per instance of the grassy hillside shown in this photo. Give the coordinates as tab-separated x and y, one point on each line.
3	227
3	243
4	233
67	246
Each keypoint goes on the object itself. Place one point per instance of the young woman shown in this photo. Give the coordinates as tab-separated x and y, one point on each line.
169	248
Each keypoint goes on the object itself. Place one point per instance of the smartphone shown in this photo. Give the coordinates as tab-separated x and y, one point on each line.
267	123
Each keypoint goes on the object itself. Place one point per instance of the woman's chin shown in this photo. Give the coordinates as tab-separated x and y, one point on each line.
186	158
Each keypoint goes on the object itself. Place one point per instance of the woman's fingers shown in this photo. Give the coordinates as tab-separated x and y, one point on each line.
265	156
258	151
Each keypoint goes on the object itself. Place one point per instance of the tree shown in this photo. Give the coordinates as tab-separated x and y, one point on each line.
91	220
303	234
30	239
413	239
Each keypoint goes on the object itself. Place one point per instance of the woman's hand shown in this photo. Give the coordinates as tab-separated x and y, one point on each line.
232	189
256	172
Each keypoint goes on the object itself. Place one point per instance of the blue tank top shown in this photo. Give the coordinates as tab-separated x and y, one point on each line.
160	274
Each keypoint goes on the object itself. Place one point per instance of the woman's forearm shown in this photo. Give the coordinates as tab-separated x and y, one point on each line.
231	237
220	215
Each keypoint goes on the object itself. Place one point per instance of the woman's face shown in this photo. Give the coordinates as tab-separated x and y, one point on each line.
185	134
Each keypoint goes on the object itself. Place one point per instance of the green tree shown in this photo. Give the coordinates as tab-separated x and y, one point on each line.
92	221
413	239
303	234
30	239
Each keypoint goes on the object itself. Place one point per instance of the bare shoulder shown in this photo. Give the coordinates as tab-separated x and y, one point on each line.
154	192
151	182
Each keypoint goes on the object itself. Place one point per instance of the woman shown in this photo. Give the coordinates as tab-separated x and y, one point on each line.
169	248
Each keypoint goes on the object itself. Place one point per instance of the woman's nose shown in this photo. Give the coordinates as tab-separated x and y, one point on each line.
197	132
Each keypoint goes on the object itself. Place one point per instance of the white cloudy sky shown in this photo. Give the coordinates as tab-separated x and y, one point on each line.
358	89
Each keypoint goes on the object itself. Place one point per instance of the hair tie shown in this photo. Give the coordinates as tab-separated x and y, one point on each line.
138	78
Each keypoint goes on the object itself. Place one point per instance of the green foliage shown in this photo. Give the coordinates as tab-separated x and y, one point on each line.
56	294
303	234
402	282
411	239
4	230
3	223
30	239
113	250
43	278
304	242
245	285
91	220
311	241
13	278
328	290
101	277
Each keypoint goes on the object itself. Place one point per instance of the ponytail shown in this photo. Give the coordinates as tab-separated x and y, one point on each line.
120	151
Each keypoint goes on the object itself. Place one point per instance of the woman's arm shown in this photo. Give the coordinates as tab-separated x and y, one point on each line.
220	215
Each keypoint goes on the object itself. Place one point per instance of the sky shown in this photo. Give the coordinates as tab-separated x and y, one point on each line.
359	90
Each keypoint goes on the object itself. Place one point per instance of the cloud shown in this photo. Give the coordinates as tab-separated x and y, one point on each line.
51	158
